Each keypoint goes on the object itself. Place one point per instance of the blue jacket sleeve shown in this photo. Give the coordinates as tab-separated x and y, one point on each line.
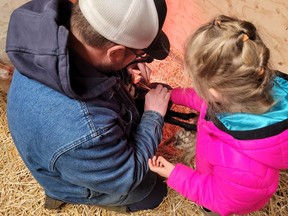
105	160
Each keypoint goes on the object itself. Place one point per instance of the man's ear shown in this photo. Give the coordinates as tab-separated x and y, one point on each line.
215	94
116	54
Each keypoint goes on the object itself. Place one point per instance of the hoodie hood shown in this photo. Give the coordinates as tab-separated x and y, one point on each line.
37	45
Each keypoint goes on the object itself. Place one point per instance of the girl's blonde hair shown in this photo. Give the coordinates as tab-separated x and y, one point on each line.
228	56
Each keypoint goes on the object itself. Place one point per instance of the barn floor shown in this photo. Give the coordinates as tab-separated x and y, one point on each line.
22	195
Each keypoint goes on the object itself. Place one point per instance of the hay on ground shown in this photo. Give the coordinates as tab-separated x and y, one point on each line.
22	195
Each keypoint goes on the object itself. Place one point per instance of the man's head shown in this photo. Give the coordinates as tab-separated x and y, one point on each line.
133	24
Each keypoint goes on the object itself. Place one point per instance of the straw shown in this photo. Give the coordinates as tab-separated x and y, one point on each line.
22	195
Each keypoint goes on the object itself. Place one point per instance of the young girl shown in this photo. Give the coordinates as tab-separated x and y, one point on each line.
242	140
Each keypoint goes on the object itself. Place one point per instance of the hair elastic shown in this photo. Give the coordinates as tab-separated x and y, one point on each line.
261	71
245	37
217	22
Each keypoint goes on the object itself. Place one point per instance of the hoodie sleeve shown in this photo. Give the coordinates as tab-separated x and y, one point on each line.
186	97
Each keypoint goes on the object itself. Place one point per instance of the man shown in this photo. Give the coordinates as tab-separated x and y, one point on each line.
70	112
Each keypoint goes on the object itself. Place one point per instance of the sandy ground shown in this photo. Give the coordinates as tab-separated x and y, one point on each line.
6	8
270	17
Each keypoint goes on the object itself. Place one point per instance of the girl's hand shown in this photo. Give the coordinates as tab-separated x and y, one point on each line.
161	166
157	100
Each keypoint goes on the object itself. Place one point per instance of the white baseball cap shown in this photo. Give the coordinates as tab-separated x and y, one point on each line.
133	23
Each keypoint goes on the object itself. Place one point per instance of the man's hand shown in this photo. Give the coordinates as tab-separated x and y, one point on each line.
157	100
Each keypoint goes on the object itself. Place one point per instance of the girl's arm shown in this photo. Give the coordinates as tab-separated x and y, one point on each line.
186	97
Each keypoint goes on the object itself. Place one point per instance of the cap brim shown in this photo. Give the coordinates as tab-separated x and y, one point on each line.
159	48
